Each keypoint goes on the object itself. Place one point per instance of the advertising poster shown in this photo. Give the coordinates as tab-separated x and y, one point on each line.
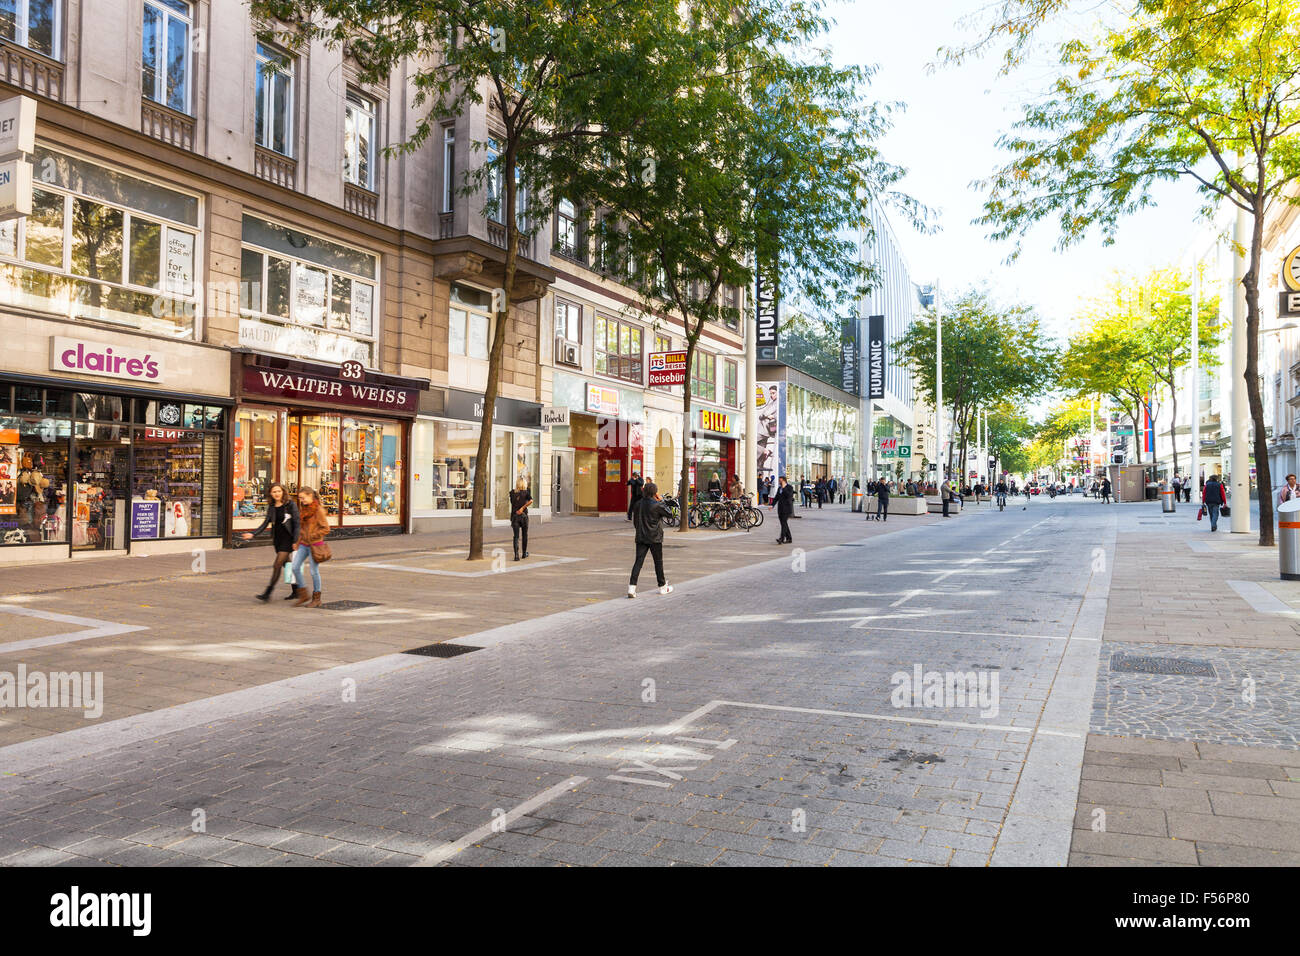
178	519
180	262
146	520
769	401
309	304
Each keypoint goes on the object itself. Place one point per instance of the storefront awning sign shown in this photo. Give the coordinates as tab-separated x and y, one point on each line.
601	400
293	386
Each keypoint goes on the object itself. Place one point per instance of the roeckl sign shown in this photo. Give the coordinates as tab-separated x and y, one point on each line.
96	358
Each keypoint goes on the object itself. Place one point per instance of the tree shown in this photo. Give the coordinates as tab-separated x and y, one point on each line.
555	77
991	354
1205	89
757	156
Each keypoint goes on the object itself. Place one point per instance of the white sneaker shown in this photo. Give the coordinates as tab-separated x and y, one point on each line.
631	590
666	589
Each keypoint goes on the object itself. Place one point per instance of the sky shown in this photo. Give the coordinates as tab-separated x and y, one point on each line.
947	137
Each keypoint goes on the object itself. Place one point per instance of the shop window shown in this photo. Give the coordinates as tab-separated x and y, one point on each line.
33	480
172	495
446	456
255	451
372	480
306	296
99	245
312	458
515	457
618	349
704	371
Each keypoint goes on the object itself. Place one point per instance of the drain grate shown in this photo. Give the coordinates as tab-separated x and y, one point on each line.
347	605
1180	666
442	650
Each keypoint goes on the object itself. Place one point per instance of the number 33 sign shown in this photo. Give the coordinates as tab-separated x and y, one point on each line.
352	370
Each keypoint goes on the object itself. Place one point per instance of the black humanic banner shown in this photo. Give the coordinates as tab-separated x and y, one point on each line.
765	307
876	356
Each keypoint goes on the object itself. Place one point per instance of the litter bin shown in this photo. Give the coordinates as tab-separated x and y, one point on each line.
857	499
1288	539
1168	503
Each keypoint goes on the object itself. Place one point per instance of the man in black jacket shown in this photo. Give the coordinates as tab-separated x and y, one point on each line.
634	485
784	499
647	519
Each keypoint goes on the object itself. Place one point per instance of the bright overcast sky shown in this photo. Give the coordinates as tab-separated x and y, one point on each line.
947	137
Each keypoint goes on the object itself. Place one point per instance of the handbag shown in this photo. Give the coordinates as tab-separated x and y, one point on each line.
1225	511
320	552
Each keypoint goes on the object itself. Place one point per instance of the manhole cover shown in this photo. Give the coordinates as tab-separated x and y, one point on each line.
348	605
442	650
1161	665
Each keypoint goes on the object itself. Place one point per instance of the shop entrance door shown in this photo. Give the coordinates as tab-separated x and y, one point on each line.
818	469
100	494
562	482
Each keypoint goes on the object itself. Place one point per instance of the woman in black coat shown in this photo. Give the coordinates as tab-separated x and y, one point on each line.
282	516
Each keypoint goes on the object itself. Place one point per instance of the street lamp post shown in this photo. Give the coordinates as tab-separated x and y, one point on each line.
938	395
1240	411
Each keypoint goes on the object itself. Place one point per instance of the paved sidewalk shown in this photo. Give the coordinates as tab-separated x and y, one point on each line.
1194	755
163	635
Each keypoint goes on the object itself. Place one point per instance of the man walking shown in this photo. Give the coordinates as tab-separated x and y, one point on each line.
634	485
647	519
784	502
1105	491
945	495
1214	497
1289	491
882	501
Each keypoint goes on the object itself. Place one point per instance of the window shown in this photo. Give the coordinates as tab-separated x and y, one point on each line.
448	169
704	373
102	245
304	295
730	313
568	321
31	23
166	53
729	388
618	349
359	141
273	122
566	228
469	322
495	197
664	343
446	457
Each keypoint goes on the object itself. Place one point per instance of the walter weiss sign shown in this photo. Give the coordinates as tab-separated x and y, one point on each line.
296	386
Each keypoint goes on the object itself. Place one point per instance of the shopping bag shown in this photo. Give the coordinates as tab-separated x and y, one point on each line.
1225	511
288	574
1200	513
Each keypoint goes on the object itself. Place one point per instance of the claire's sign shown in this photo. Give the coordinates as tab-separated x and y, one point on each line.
331	391
96	358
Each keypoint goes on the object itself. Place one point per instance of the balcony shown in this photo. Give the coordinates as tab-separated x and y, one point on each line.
167	125
275	168
497	236
31	71
446	225
360	202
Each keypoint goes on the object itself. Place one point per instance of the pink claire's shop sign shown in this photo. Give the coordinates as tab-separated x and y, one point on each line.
295	386
96	358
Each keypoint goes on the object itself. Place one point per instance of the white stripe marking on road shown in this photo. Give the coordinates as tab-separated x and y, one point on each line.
1260	598
92	627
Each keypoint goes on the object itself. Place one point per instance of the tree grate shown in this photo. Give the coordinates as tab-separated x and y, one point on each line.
1179	666
347	605
442	650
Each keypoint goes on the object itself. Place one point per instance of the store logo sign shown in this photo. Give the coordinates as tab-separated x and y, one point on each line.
667	368
554	416
602	400
711	421
169	413
96	358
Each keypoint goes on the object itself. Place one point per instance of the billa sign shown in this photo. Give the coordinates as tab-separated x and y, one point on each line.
668	368
711	421
876	356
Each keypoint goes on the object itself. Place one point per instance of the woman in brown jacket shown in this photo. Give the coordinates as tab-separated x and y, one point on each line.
313	526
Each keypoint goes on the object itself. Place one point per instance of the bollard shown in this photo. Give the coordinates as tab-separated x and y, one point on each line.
1288	539
1167	504
857	499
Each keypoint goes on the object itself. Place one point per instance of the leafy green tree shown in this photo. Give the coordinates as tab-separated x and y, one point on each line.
991	354
1205	89
556	78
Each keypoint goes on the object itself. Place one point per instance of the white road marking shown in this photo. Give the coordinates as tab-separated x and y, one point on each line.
91	628
1260	598
509	567
443	853
927	630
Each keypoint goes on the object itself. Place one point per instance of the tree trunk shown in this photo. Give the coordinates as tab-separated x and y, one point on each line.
684	479
1264	478
483	465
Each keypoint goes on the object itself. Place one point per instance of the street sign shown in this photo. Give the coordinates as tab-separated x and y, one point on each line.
17	126
1124	430
15	189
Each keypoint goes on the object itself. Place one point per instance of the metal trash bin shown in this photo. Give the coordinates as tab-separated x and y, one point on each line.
1168	503
1288	539
857	499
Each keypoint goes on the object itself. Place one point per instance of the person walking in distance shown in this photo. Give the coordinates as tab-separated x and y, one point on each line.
1289	491
282	517
945	495
313	526
1214	496
882	501
634	485
783	501
1105	491
647	519
520	499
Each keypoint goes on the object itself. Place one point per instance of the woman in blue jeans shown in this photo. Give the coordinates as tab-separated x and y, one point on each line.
313	526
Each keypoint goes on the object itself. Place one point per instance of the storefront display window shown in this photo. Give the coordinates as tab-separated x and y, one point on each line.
820	435
372	478
312	459
446	456
103	245
515	456
255	455
33	478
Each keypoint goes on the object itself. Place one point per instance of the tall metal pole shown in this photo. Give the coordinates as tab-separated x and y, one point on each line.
938	395
1195	376
1240	493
